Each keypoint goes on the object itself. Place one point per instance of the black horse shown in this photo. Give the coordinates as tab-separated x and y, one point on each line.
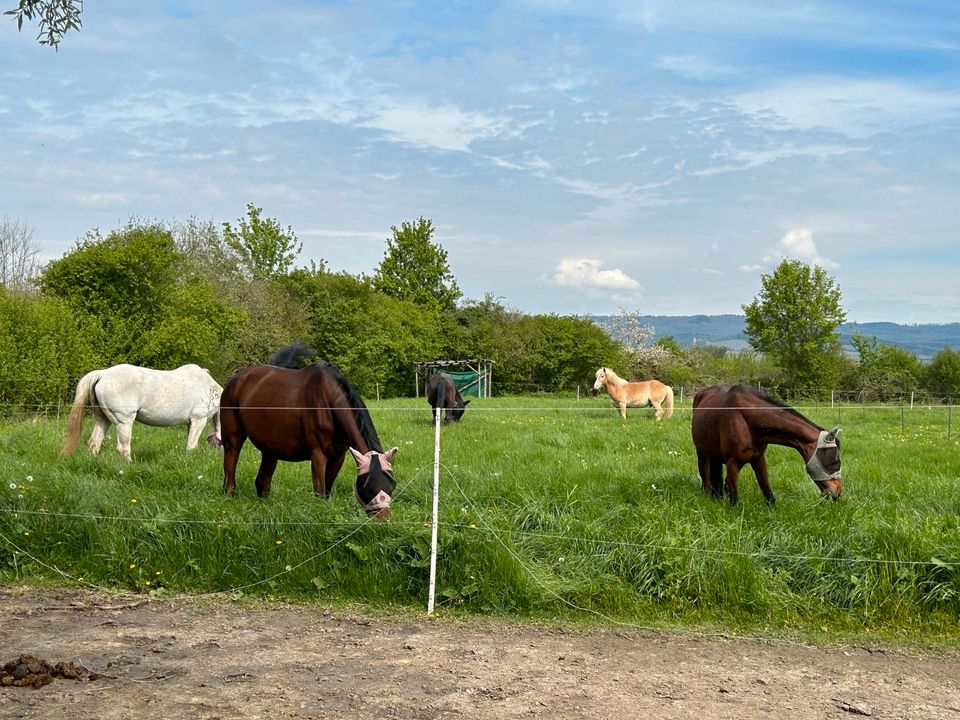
442	393
294	413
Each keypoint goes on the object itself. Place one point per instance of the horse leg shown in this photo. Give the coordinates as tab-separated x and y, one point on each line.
759	466
623	409
268	465
193	432
733	473
318	472
658	411
330	474
124	435
231	454
100	427
703	467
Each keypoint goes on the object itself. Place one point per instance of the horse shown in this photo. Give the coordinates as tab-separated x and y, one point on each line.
162	398
732	426
625	394
443	393
295	412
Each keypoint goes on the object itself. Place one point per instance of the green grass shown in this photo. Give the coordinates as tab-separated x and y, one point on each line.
549	508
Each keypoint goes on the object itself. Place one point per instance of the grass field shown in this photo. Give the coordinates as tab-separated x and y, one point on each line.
550	508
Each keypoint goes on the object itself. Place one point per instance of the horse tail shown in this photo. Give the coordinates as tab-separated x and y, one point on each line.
668	401
81	400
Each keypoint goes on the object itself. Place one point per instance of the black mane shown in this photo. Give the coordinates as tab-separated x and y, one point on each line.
774	401
360	412
293	356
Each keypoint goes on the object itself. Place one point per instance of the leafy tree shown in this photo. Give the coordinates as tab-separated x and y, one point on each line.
45	348
152	308
414	268
795	319
55	18
885	370
19	254
263	249
942	375
645	355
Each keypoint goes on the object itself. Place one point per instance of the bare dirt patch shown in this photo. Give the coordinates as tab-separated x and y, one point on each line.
186	658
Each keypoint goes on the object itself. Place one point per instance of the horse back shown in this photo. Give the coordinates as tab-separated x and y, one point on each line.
441	392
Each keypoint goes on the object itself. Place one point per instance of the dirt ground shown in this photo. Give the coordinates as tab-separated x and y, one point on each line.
207	659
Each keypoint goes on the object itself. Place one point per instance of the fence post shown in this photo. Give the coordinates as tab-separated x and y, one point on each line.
681	394
431	594
949	418
578	393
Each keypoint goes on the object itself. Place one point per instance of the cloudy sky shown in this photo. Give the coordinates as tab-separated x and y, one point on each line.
575	157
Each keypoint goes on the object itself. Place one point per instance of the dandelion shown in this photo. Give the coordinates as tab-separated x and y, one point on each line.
133	500
279	542
121	472
472	525
159	572
133	566
26	533
199	477
146	582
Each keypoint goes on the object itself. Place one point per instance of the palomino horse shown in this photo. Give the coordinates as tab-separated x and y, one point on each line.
443	393
295	413
625	394
732	426
124	393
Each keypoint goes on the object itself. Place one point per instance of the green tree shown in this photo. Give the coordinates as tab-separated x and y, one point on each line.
150	305
263	249
55	18
942	375
885	370
795	319
414	268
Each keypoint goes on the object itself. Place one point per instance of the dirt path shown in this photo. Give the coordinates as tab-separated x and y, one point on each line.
203	660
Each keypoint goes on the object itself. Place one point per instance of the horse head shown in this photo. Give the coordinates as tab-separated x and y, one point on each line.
601	379
824	465
375	483
459	407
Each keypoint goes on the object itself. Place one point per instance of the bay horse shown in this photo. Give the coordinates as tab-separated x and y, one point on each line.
295	412
625	394
122	394
443	393
732	426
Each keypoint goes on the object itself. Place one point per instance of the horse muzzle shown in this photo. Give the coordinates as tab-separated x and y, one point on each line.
830	488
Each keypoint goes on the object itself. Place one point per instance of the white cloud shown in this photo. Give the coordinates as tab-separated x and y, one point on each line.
581	272
695	67
797	244
446	127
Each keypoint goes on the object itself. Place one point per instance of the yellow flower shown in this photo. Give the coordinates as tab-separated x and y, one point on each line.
133	500
279	542
132	566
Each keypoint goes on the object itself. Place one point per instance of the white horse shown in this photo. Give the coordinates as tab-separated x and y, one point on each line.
124	393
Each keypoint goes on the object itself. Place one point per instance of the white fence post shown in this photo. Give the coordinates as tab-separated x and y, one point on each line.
436	505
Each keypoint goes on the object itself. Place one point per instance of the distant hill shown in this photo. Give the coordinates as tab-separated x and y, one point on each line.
727	331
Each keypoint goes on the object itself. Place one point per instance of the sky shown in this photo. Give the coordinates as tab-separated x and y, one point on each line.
575	157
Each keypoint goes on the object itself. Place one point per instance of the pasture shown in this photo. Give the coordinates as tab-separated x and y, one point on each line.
549	508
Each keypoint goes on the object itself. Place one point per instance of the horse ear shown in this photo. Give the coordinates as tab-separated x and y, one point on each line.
466	402
390	453
832	435
357	455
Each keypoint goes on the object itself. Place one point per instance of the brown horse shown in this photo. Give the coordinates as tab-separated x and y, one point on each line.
442	393
732	426
625	394
312	413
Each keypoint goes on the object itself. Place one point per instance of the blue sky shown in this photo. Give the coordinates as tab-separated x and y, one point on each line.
574	157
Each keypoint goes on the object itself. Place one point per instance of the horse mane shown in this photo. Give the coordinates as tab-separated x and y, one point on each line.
359	408
762	395
293	356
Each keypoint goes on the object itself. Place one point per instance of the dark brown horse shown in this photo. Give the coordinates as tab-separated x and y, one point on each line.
310	413
442	393
732	426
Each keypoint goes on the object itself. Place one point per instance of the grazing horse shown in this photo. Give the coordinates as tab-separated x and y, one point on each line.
296	413
732	426
625	394
443	393
124	393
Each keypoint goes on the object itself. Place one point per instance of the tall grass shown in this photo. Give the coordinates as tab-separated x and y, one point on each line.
550	507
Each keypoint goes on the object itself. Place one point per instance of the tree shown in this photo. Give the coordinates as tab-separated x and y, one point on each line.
637	338
885	370
414	268
264	250
942	375
795	319
56	18
19	254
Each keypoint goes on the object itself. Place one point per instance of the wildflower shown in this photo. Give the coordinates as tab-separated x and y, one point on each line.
26	533
279	542
133	500
29	478
13	486
472	525
121	472
132	566
146	582
199	477
288	568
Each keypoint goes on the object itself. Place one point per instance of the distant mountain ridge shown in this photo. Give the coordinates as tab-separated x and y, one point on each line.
727	331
